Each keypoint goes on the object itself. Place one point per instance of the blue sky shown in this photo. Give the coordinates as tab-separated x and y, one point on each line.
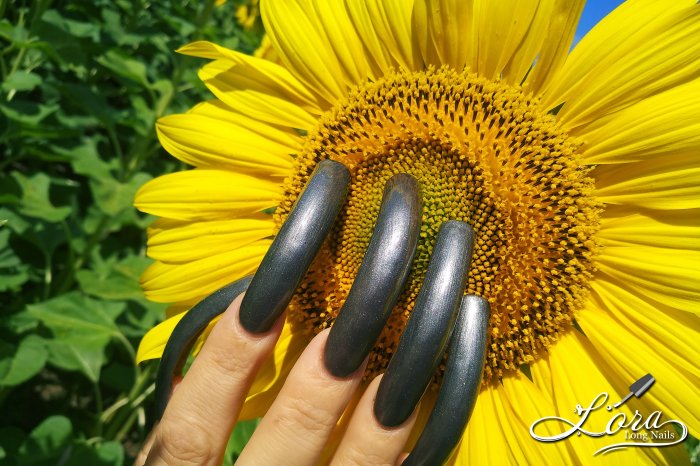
594	11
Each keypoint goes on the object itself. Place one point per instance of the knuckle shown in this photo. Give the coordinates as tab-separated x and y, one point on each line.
183	443
300	413
352	455
228	363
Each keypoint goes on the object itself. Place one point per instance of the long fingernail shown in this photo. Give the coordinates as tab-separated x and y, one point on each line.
380	278
460	386
295	246
184	335
423	341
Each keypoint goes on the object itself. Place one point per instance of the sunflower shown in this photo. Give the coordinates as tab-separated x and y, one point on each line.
577	169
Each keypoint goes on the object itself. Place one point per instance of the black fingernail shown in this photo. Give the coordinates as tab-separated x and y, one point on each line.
185	334
423	341
380	279
295	246
460	386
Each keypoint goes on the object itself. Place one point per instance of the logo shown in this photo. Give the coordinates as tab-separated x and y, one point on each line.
637	431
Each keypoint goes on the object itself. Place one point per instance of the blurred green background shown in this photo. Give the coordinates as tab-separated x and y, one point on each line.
82	85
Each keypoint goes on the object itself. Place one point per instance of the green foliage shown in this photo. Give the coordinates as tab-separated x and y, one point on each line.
82	84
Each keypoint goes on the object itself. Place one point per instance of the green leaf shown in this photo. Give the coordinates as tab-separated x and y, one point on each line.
35	198
75	28
113	197
82	328
115	280
107	453
21	81
46	444
13	273
121	64
238	440
74	314
11	438
85	354
27	361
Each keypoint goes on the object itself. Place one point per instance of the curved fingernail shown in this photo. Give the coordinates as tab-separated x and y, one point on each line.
295	246
423	341
460	386
380	279
184	335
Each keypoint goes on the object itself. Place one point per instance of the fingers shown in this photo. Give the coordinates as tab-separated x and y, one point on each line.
380	279
460	385
201	414
301	419
426	334
367	441
184	336
295	246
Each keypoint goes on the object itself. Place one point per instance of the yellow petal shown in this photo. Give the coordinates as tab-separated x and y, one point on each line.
210	141
674	229
502	419
445	33
205	194
500	27
174	241
297	34
239	88
557	42
672	182
667	275
642	48
627	357
662	125
670	334
386	29
153	342
255	85
167	283
273	372
572	377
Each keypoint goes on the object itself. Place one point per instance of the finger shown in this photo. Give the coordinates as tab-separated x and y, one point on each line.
295	246
460	386
145	449
200	416
184	336
423	341
367	441
380	279
296	428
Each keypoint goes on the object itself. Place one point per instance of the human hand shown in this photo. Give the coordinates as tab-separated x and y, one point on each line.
201	414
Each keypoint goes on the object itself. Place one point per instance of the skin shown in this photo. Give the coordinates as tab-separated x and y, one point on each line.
201	415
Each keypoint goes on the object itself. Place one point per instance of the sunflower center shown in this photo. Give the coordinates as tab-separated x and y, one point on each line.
483	152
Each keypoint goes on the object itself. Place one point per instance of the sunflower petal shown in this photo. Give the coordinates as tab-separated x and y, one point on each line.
183	282
295	30
386	29
559	36
670	334
273	372
502	419
254	85
667	123
642	48
627	357
172	241
153	342
210	141
672	182
673	229
667	275
205	194
239	88
570	374
500	27
445	32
